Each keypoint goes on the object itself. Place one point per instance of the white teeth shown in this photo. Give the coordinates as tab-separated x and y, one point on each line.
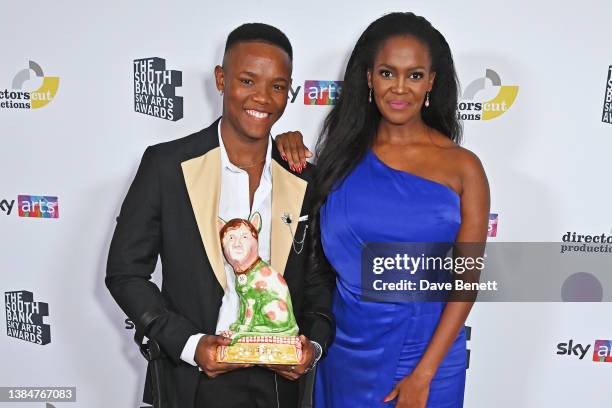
257	114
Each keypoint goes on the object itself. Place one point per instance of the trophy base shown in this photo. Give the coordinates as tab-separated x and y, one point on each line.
262	350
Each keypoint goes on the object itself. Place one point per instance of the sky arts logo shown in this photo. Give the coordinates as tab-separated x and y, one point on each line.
17	98
155	89
602	351
492	231
606	116
473	108
29	206
24	317
38	206
321	92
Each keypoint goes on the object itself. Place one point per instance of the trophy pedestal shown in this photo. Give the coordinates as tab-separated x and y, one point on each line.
262	350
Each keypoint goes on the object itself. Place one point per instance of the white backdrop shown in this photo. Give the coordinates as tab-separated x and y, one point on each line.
546	158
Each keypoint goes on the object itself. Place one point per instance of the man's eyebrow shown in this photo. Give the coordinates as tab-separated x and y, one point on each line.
254	75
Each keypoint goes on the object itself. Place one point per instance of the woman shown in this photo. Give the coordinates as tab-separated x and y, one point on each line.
390	170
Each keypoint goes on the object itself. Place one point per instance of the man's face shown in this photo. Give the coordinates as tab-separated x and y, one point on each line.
255	79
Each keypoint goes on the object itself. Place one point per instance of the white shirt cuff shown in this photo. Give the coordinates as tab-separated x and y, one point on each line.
188	354
318	352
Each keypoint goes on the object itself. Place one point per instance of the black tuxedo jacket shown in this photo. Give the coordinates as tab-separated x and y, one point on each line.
170	210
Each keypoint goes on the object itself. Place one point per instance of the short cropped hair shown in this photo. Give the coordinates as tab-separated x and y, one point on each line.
259	32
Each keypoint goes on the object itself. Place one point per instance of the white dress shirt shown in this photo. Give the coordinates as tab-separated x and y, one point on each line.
234	203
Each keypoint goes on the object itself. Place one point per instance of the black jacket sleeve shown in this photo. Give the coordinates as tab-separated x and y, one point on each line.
317	320
133	254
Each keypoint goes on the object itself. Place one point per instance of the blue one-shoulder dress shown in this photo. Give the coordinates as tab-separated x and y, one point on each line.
378	344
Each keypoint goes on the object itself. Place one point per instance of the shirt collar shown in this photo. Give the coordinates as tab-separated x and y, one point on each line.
227	164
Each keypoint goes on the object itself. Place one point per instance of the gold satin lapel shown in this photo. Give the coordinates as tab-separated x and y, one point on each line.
203	180
287	196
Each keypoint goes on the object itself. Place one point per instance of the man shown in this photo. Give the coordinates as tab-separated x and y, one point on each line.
228	170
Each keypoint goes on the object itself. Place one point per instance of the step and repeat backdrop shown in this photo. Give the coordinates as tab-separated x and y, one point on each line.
85	87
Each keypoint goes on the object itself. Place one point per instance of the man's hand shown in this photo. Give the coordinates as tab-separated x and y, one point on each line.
206	356
293	372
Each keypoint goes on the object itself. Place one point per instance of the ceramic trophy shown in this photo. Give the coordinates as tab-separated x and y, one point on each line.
265	331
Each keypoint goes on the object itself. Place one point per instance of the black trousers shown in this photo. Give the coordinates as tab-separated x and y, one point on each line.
253	387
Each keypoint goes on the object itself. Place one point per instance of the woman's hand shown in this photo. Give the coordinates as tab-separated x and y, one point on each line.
411	392
292	149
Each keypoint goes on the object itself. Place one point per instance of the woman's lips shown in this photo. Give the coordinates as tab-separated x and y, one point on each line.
398	104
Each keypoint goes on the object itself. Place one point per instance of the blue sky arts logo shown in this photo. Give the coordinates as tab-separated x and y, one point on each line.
472	107
24	317
606	116
155	89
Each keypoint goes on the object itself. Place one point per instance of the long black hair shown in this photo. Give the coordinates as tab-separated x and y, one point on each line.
350	128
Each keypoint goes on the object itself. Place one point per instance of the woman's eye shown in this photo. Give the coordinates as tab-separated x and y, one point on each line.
385	73
416	75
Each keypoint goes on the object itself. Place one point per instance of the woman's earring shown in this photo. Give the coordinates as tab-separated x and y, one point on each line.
427	99
370	96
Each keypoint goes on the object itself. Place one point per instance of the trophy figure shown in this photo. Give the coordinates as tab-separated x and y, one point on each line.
266	331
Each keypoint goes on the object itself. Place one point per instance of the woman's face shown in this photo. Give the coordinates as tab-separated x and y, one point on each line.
400	77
